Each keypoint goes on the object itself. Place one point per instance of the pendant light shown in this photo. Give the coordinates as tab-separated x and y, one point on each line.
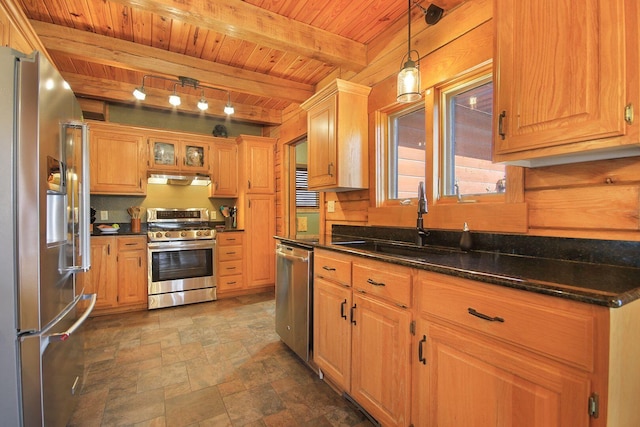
409	75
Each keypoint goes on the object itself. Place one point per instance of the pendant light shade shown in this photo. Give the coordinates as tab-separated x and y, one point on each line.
409	82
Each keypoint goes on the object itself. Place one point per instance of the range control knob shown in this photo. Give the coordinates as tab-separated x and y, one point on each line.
183	234
207	232
167	234
158	235
199	233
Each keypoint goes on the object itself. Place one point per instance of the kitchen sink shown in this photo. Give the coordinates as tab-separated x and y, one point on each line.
406	250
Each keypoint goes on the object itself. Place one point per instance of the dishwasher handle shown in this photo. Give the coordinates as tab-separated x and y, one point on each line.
289	257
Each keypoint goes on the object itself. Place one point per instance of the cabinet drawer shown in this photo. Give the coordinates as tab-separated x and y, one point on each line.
229	253
228	239
563	330
332	266
385	280
131	243
230	283
227	268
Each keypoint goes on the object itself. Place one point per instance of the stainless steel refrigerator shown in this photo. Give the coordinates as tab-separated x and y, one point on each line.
44	235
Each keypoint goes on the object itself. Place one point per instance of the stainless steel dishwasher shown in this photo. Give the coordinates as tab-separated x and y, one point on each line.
294	296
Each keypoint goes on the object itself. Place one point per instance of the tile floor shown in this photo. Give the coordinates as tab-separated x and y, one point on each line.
210	364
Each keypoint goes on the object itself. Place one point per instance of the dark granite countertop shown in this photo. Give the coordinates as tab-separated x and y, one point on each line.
574	276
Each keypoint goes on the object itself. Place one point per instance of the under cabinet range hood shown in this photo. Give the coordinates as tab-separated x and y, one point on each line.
179	179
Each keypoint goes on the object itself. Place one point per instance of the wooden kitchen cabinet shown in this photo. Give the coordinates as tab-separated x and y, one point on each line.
118	157
362	335
332	302
132	271
494	356
562	85
224	169
173	154
259	226
230	264
102	277
337	135
257	164
118	273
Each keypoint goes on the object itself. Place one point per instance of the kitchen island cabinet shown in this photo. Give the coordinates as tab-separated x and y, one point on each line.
118	273
572	101
118	157
337	132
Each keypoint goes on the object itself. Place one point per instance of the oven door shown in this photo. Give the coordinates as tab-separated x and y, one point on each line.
181	266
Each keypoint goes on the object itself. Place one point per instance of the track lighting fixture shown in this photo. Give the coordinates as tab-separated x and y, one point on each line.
409	75
174	99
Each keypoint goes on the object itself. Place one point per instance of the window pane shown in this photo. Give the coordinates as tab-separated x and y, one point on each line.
467	148
304	197
406	152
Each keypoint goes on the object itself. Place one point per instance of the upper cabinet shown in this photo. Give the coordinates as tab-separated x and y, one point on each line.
337	130
178	155
257	154
224	168
564	88
118	159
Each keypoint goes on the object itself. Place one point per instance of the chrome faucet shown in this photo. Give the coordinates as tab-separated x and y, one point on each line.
421	238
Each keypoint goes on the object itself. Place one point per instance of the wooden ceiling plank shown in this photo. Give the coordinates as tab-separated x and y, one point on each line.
160	32
140	30
109	90
122	19
38	9
147	59
238	19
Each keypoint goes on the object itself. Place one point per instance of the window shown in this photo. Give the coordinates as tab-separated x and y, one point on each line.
466	166
406	152
304	197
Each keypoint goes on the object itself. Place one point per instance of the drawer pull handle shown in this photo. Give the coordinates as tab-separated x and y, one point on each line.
353	310
342	306
421	358
231	268
374	283
325	267
231	253
473	312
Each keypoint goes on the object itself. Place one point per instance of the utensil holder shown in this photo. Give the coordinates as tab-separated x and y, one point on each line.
135	225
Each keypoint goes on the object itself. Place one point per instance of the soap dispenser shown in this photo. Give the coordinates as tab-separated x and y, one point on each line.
465	239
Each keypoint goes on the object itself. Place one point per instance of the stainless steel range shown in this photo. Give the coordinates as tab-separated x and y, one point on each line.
181	257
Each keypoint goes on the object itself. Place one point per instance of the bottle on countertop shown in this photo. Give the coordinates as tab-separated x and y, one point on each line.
465	239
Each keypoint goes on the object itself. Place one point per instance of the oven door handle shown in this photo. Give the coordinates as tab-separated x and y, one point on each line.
291	257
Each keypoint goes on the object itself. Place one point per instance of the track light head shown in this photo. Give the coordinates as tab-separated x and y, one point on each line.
139	93
203	104
228	109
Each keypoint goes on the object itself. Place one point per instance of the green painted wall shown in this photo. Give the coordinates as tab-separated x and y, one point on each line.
173	120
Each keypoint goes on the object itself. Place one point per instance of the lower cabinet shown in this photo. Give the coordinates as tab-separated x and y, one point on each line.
118	273
495	356
413	347
229	263
361	335
259	225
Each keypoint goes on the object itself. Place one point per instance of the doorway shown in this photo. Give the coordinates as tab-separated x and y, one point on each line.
303	204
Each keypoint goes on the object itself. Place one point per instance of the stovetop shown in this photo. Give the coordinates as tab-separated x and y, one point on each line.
178	224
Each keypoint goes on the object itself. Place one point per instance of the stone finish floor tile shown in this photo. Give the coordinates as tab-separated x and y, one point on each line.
217	364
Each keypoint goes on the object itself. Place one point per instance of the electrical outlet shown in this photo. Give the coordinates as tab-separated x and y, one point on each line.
331	206
302	223
104	215
214	214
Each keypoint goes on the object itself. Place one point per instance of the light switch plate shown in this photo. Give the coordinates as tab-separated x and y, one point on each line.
331	206
302	223
213	214
104	215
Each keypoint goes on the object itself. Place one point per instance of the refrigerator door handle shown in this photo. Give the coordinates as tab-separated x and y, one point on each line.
63	336
84	223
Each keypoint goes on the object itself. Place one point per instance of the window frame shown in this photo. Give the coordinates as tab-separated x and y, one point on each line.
439	96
